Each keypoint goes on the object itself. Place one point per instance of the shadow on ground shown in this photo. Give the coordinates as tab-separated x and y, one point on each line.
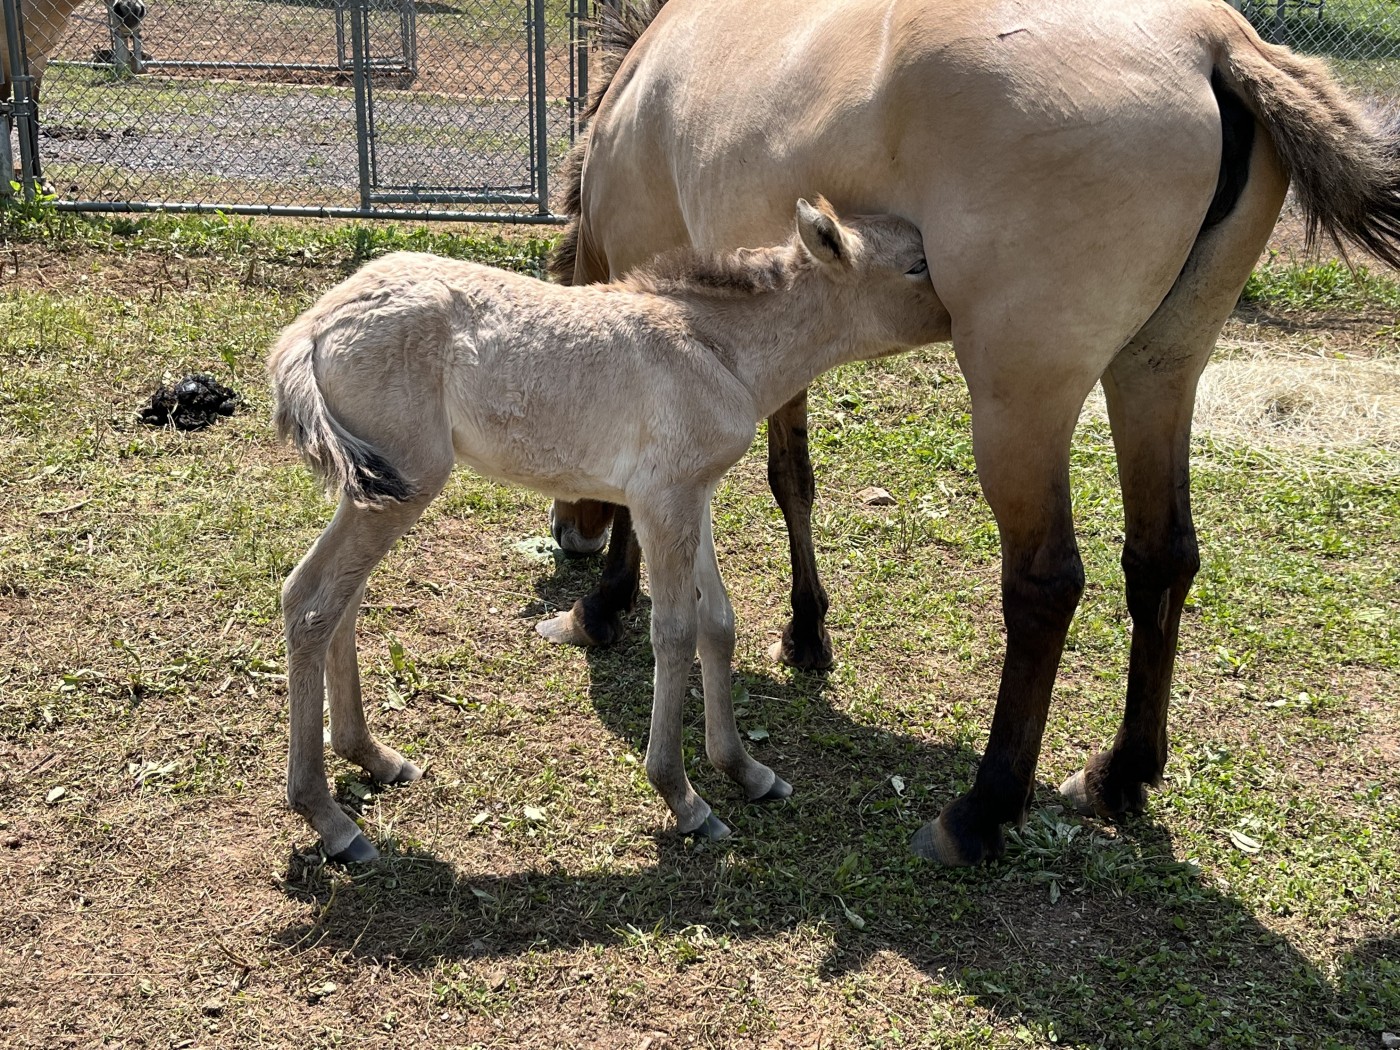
1083	932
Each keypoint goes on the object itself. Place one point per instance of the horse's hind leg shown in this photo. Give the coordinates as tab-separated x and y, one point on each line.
317	602
723	744
1151	389
350	735
805	643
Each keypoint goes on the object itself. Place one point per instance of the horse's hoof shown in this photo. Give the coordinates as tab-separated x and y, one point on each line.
1077	792
565	628
780	790
711	828
360	851
407	774
932	842
813	657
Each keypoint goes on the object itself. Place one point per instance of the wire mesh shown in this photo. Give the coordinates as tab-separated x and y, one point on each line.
448	108
1360	38
438	108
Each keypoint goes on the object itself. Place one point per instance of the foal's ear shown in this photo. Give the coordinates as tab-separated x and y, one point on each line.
820	232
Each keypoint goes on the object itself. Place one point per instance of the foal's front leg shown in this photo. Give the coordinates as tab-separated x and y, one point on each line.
716	639
670	552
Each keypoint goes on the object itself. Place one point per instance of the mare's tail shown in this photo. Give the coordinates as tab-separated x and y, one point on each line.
1344	166
347	465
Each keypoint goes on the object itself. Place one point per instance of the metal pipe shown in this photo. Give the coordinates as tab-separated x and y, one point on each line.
22	108
541	113
359	29
294	211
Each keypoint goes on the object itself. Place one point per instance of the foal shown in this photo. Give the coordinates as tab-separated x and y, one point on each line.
417	362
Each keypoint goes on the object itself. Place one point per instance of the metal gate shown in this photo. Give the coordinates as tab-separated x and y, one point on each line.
430	109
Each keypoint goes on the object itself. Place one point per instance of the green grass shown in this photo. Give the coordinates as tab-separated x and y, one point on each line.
1325	285
532	893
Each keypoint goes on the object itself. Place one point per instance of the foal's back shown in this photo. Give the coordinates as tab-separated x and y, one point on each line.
569	391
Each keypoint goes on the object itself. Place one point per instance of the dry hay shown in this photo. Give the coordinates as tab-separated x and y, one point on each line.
1295	401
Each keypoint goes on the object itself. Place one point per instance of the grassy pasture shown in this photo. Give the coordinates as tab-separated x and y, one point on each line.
155	892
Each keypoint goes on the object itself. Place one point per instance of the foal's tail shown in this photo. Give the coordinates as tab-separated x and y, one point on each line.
345	464
1344	166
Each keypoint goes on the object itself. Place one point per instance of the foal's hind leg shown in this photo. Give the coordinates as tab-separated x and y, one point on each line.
316	602
1151	389
805	643
350	735
723	744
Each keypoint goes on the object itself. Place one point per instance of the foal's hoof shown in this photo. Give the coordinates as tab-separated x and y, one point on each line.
407	774
565	628
780	790
712	828
360	851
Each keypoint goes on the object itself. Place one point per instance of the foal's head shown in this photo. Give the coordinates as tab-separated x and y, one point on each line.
875	267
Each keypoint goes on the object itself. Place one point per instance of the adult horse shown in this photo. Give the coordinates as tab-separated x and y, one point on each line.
1095	181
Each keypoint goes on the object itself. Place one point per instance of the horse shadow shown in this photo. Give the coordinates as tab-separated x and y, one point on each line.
1081	930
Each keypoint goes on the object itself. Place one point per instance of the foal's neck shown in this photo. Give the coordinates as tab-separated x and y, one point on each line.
777	341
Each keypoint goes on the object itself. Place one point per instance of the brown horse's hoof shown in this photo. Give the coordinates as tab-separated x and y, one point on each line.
565	628
1093	792
954	839
811	655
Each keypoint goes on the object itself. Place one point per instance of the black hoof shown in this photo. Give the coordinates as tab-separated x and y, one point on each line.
780	790
406	775
360	851
711	828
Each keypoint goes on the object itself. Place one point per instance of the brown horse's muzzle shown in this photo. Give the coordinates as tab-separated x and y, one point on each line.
581	528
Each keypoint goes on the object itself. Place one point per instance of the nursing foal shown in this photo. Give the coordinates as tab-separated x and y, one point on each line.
417	362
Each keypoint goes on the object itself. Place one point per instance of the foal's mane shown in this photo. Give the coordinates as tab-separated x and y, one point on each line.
619	24
728	275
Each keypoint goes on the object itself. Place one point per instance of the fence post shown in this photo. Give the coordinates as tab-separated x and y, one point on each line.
364	121
22	105
541	121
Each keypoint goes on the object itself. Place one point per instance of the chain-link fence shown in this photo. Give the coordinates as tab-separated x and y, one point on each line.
434	108
1361	38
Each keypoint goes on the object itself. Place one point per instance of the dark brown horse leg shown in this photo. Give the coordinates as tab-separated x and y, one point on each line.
1151	417
1023	464
805	643
596	618
1151	391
